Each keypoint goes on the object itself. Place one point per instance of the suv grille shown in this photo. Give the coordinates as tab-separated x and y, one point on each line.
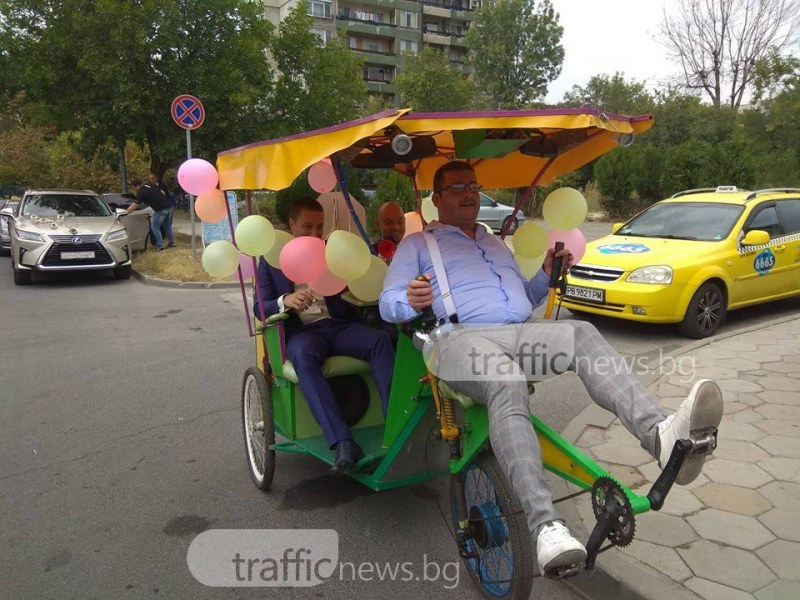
595	273
89	243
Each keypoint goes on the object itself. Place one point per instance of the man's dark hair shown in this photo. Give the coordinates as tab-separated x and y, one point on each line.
304	203
455	165
136	182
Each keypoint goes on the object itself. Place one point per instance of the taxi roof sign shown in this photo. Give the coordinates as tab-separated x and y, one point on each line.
726	189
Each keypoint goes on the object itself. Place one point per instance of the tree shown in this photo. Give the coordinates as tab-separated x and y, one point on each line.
110	70
515	48
430	83
317	86
613	94
719	43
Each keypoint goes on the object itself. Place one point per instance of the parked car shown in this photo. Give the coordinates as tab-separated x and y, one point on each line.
66	230
693	257
495	215
137	223
5	236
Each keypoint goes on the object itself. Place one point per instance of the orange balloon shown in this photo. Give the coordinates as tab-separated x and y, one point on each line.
210	207
413	223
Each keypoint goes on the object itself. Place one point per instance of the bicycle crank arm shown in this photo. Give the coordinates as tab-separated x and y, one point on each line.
680	451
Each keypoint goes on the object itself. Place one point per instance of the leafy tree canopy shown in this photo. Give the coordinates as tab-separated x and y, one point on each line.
515	48
429	83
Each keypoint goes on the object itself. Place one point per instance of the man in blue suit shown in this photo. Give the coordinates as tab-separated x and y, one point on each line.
317	328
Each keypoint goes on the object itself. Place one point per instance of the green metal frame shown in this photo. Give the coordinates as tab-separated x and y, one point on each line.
409	402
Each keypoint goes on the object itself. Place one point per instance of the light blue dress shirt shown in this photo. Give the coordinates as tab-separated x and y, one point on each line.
485	281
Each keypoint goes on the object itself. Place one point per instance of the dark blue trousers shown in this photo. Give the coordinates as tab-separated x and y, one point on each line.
308	349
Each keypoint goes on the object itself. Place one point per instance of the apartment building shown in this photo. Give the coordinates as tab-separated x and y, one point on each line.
381	31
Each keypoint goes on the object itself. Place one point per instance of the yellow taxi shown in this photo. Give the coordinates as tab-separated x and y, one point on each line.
691	258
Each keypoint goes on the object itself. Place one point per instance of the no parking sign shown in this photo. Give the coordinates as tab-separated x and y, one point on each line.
188	111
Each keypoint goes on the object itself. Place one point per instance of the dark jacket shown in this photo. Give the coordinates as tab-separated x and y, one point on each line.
273	284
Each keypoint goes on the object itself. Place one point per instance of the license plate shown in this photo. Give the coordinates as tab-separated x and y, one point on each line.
586	293
77	255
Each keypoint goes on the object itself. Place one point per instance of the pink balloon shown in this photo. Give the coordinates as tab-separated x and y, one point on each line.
211	206
197	176
246	265
302	259
327	284
321	176
573	241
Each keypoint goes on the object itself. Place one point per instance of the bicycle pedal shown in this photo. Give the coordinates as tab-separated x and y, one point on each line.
704	444
564	572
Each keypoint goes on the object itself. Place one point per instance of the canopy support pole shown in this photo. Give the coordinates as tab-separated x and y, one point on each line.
525	197
337	169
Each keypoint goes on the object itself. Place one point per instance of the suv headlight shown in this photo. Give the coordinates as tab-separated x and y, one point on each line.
659	274
29	236
4	225
117	235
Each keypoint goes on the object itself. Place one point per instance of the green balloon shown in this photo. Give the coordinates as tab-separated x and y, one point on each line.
368	287
564	209
255	235
346	255
220	259
272	255
530	240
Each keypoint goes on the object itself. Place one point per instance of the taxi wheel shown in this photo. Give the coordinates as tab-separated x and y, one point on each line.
706	312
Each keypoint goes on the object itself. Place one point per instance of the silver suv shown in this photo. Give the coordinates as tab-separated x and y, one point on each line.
66	230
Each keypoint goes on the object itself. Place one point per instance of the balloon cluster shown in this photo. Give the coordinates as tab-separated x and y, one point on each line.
345	261
564	211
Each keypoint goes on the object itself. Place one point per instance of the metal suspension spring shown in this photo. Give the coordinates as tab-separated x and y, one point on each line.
449	412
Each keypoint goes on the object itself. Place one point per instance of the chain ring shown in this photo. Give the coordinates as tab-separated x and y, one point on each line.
624	527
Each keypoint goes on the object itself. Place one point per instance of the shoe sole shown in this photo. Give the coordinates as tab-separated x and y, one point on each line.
567	559
705	418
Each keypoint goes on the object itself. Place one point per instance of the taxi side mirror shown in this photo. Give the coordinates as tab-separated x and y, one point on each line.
616	227
755	237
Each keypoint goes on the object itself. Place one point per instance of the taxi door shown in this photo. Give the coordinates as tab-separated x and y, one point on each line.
760	272
789	213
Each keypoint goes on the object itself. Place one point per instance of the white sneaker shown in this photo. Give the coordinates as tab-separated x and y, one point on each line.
555	547
697	416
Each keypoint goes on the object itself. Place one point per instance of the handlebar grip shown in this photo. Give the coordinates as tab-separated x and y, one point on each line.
558	265
428	316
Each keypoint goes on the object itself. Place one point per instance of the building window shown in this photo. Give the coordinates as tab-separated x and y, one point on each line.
324	35
408	46
408	19
353	42
319	8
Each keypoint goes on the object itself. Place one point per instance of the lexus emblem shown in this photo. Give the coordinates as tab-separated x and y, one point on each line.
77	241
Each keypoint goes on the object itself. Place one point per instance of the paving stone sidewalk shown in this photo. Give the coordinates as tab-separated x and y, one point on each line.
734	532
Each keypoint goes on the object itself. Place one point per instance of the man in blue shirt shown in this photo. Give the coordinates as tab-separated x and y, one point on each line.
488	362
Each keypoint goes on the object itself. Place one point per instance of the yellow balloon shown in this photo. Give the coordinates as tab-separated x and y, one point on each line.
220	259
255	235
529	266
368	287
429	210
273	254
564	209
347	255
530	240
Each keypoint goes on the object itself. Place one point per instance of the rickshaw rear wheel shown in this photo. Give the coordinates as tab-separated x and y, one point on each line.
496	545
259	428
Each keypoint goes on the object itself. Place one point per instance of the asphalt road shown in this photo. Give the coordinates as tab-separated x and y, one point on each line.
121	440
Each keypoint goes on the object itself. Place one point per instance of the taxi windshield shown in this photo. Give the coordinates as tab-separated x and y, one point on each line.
702	221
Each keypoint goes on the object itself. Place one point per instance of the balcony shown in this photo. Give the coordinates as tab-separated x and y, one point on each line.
447	10
356	24
443	38
381	87
375	57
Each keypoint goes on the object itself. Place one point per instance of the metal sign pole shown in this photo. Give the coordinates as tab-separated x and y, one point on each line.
191	197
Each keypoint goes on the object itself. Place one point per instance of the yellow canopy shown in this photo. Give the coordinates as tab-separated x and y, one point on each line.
507	149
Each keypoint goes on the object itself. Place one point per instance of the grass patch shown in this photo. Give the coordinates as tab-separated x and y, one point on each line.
174	263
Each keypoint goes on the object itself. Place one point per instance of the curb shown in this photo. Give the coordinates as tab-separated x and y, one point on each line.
186	285
616	574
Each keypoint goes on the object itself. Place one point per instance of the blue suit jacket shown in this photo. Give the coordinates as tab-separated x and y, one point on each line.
273	284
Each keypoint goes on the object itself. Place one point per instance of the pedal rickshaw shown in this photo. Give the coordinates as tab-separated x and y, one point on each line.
510	149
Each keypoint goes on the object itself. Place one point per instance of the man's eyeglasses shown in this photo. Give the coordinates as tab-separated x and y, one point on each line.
458	188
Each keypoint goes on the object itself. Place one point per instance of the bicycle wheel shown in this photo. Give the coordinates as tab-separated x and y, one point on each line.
496	540
259	428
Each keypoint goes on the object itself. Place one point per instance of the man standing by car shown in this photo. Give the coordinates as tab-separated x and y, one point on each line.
150	194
